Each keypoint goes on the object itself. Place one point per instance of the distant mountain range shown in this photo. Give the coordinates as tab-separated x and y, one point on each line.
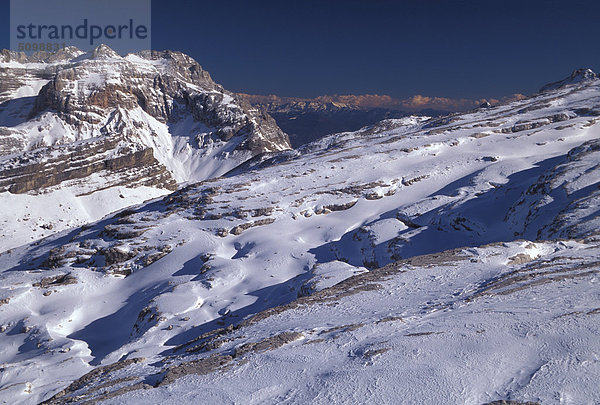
308	119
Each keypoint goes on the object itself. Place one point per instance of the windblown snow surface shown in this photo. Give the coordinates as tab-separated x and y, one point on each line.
429	261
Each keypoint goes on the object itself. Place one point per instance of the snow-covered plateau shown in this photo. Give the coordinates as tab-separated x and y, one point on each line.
452	260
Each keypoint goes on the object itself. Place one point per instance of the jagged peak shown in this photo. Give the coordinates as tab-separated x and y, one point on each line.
103	51
578	76
584	74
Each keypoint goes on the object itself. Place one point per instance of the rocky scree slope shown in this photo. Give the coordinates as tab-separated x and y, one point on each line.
457	252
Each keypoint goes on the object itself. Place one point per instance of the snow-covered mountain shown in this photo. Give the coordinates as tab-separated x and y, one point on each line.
99	132
443	260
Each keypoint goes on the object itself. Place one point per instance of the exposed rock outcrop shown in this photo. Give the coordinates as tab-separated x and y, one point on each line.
130	166
68	115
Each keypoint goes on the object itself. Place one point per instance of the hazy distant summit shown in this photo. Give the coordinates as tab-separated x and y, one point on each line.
412	104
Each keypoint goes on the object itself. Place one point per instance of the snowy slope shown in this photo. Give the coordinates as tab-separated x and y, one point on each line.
163	294
468	326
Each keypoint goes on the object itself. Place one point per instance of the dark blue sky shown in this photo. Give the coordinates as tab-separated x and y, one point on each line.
437	48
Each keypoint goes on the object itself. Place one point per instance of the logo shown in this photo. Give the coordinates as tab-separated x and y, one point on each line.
51	25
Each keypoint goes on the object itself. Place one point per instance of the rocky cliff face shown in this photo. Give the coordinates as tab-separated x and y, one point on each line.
95	121
53	100
119	163
167	86
21	72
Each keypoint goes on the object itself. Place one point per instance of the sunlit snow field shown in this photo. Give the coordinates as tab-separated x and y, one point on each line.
517	319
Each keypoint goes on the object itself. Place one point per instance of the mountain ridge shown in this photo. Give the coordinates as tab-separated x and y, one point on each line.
372	101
